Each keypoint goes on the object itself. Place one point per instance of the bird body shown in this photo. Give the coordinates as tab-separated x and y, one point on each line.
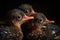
8	32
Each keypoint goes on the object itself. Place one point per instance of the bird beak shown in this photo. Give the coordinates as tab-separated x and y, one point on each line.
26	18
48	22
33	12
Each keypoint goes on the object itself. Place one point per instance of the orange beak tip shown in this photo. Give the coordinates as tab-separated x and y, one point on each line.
48	22
27	18
32	17
53	21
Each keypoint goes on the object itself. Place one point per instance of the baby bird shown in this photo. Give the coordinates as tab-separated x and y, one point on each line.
12	29
33	29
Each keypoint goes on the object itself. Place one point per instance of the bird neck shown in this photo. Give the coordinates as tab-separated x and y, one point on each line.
16	26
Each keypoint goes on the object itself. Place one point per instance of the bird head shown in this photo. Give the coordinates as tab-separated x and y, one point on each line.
27	8
16	16
41	18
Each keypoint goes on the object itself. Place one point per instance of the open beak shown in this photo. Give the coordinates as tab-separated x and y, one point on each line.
48	22
26	18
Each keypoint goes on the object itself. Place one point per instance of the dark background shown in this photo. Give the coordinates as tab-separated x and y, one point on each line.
49	8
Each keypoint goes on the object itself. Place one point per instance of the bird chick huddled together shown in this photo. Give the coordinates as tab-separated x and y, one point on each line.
24	23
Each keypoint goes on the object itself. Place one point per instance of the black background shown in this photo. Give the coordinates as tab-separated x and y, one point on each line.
48	7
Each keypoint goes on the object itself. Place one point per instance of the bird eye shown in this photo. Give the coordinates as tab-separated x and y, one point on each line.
25	11
40	20
19	17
